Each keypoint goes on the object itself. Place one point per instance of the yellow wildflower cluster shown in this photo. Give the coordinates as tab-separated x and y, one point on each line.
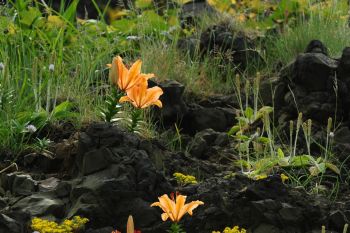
235	229
184	179
284	178
68	226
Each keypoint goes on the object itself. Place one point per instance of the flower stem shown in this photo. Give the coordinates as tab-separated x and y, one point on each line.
176	228
136	117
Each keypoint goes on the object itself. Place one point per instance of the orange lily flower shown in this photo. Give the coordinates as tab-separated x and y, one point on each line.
175	210
129	226
141	97
126	78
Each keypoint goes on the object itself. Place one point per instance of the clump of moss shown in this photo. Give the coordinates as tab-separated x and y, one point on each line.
67	226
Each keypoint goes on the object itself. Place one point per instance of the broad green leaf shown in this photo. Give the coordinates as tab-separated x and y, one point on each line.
249	113
263	140
300	161
233	130
64	106
28	17
242	137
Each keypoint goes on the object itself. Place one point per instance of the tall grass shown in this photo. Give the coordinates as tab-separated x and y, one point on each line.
78	60
329	25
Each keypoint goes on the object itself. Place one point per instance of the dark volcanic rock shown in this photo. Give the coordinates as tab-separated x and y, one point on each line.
19	184
204	142
316	46
313	84
344	66
193	10
314	71
87	9
9	225
265	204
131	180
237	47
174	107
199	118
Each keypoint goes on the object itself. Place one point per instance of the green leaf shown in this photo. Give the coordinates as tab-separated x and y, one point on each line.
233	130
28	17
64	106
263	140
142	4
242	138
263	110
265	164
333	168
69	14
300	161
249	113
242	121
280	153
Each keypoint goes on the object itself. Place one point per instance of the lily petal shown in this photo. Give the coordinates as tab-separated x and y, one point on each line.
188	208
164	216
121	73
180	202
152	95
133	75
158	103
168	205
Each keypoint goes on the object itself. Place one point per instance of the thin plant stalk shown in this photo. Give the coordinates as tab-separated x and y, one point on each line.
299	122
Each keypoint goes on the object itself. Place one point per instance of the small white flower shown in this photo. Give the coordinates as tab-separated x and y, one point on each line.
331	134
31	128
51	67
2	66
